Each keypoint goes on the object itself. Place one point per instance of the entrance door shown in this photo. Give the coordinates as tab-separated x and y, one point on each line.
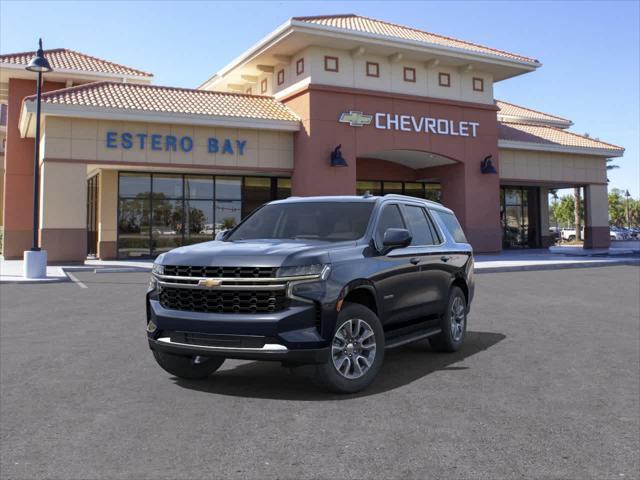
92	216
520	217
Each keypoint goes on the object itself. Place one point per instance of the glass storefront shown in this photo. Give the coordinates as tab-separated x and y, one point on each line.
519	217
158	212
429	191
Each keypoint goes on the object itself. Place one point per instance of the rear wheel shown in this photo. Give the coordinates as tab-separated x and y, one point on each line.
356	351
189	367
453	324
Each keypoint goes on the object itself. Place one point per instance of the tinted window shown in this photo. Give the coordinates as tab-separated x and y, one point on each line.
389	218
325	221
418	223
451	223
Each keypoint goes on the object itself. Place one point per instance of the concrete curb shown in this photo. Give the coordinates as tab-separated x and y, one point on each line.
562	266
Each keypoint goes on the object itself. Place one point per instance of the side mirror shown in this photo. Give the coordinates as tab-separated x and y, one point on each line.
395	238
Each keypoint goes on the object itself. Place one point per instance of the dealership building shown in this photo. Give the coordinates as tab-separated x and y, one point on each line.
329	105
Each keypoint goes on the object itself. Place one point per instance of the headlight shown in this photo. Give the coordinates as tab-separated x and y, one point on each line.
304	270
157	269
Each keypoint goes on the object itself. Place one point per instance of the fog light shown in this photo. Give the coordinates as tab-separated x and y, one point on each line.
151	327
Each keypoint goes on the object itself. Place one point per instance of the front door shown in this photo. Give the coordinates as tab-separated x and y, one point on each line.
520	217
92	216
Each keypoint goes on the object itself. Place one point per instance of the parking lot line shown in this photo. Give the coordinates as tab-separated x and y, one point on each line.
75	280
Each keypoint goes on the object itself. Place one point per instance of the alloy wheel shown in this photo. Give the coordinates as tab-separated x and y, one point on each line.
457	317
353	348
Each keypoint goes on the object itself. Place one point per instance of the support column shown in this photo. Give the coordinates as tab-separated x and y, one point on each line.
475	199
63	207
596	232
18	175
546	239
108	215
312	172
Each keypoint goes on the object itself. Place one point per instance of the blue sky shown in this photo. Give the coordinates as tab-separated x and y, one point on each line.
589	50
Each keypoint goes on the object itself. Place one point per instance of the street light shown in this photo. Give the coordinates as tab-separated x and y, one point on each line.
626	207
35	260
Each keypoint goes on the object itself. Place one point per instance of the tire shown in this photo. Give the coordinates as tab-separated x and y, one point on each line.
185	367
346	369
571	238
451	338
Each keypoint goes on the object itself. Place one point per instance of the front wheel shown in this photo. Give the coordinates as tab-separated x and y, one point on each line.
453	324
356	351
192	368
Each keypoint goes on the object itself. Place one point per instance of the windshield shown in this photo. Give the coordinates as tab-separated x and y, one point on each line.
324	221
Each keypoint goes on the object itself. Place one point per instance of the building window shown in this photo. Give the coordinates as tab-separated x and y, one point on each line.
263	86
331	64
429	191
158	212
373	69
478	84
444	79
300	66
248	91
280	77
409	74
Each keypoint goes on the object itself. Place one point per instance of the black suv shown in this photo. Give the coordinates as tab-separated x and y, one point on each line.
331	281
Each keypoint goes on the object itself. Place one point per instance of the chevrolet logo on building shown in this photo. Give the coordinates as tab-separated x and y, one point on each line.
209	282
355	119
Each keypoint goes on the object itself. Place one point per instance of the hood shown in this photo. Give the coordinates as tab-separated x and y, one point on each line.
254	253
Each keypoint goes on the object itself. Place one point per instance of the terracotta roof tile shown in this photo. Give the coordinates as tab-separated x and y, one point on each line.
65	59
370	25
512	110
519	132
152	98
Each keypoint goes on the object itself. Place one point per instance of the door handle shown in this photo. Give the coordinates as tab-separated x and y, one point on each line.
445	258
415	260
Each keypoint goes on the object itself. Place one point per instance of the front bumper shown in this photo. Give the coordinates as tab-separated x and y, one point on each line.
291	335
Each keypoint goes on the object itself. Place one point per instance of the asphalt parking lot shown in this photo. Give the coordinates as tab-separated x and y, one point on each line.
547	386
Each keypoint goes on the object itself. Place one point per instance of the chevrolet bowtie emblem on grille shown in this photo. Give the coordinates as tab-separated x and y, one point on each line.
209	282
355	119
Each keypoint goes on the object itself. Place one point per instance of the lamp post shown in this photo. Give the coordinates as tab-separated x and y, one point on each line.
35	260
626	208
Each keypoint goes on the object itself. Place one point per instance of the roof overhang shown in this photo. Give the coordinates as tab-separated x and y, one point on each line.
295	35
28	112
532	121
12	70
545	147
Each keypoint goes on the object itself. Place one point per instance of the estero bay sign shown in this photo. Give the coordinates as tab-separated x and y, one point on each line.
171	143
411	123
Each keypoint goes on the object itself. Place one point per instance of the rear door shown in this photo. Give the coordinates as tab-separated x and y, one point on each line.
433	276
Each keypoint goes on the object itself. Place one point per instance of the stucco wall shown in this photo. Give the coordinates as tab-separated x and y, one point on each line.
352	73
551	167
85	139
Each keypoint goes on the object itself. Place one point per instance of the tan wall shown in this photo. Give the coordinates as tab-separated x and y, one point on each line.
552	167
108	206
597	211
352	74
83	139
63	195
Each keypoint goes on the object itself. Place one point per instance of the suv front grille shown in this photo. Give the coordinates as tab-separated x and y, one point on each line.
220	272
223	301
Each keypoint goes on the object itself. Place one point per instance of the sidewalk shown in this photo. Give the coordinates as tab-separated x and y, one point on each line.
11	270
543	259
506	261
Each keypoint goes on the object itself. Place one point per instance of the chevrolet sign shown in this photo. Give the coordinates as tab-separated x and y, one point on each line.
355	119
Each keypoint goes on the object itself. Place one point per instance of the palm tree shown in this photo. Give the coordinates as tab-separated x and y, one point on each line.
576	209
611	167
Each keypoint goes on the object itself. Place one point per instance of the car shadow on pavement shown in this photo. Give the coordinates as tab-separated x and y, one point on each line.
269	380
